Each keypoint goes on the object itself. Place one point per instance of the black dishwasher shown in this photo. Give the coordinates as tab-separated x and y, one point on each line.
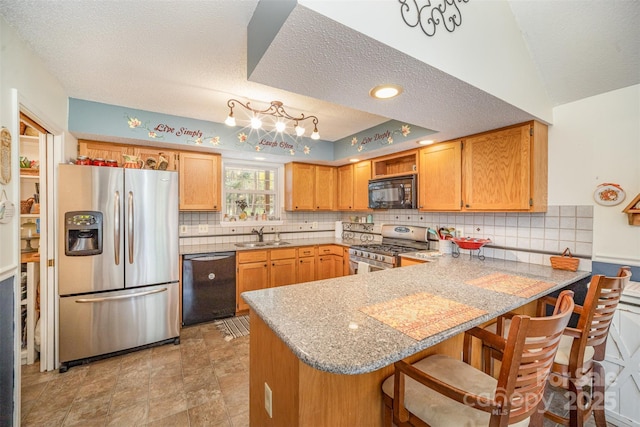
208	287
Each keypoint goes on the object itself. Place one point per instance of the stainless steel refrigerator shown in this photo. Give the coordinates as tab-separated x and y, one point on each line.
117	260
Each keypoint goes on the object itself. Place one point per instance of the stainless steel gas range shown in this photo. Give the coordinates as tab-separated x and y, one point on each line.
396	239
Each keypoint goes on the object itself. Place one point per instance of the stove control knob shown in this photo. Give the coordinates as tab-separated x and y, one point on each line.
375	257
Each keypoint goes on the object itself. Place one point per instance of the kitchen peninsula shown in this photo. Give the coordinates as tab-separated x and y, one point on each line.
324	359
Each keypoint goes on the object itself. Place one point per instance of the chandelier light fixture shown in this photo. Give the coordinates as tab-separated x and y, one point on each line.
276	110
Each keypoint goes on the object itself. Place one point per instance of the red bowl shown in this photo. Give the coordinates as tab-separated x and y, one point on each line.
470	243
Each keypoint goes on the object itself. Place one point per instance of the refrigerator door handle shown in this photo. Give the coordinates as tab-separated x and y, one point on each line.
116	228
130	226
117	297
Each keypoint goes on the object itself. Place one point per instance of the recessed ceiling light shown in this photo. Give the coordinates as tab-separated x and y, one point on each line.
426	142
385	91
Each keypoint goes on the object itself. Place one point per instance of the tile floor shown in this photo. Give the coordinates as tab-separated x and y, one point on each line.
204	381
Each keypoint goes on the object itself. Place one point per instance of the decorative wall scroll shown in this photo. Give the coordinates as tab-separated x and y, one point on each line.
5	156
429	15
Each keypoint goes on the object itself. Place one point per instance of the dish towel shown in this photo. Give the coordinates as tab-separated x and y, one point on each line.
363	268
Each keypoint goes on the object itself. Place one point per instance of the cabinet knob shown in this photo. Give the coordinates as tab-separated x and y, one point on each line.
265	266
273	264
467	206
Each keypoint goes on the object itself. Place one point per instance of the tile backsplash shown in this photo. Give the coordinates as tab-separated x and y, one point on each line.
526	237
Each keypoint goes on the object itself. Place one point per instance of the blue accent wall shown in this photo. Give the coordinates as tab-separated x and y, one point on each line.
112	122
7	340
611	270
383	135
107	121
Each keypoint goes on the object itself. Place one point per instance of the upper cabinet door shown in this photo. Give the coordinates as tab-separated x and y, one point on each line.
361	177
497	170
199	181
299	186
440	177
345	188
325	188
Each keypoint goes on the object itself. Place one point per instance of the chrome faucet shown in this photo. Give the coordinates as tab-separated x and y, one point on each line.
259	233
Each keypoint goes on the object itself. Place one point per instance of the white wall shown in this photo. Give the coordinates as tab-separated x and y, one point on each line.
489	34
593	141
21	70
23	79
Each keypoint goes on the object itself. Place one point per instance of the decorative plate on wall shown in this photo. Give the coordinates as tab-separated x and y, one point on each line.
609	194
5	156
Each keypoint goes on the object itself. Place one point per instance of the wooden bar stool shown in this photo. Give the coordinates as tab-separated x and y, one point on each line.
576	367
442	391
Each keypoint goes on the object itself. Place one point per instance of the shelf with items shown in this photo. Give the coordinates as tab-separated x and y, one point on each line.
30	178
30	277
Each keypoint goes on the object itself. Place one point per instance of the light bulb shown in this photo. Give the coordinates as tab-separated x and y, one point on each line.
256	123
230	120
315	134
299	130
280	126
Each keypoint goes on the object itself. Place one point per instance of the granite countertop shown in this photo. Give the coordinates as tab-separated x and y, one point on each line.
322	324
228	247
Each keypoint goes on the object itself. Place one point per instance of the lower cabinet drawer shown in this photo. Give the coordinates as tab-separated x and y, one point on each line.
251	256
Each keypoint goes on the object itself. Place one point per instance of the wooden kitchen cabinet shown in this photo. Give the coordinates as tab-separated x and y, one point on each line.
157	155
325	188
104	150
501	170
404	262
440	177
345	188
330	262
306	264
361	177
282	269
200	180
300	183
353	186
506	169
309	187
251	276
326	267
345	262
199	173
404	163
252	273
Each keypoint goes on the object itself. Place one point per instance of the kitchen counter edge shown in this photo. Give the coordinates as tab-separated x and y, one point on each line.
293	243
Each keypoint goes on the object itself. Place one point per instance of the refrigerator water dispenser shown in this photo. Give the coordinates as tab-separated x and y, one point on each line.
83	233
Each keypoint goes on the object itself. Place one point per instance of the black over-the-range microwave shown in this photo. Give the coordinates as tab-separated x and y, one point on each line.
393	193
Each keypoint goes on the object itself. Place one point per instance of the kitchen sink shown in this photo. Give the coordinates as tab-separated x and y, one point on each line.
260	244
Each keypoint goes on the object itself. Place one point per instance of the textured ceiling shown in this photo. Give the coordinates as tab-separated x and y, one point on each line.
187	58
